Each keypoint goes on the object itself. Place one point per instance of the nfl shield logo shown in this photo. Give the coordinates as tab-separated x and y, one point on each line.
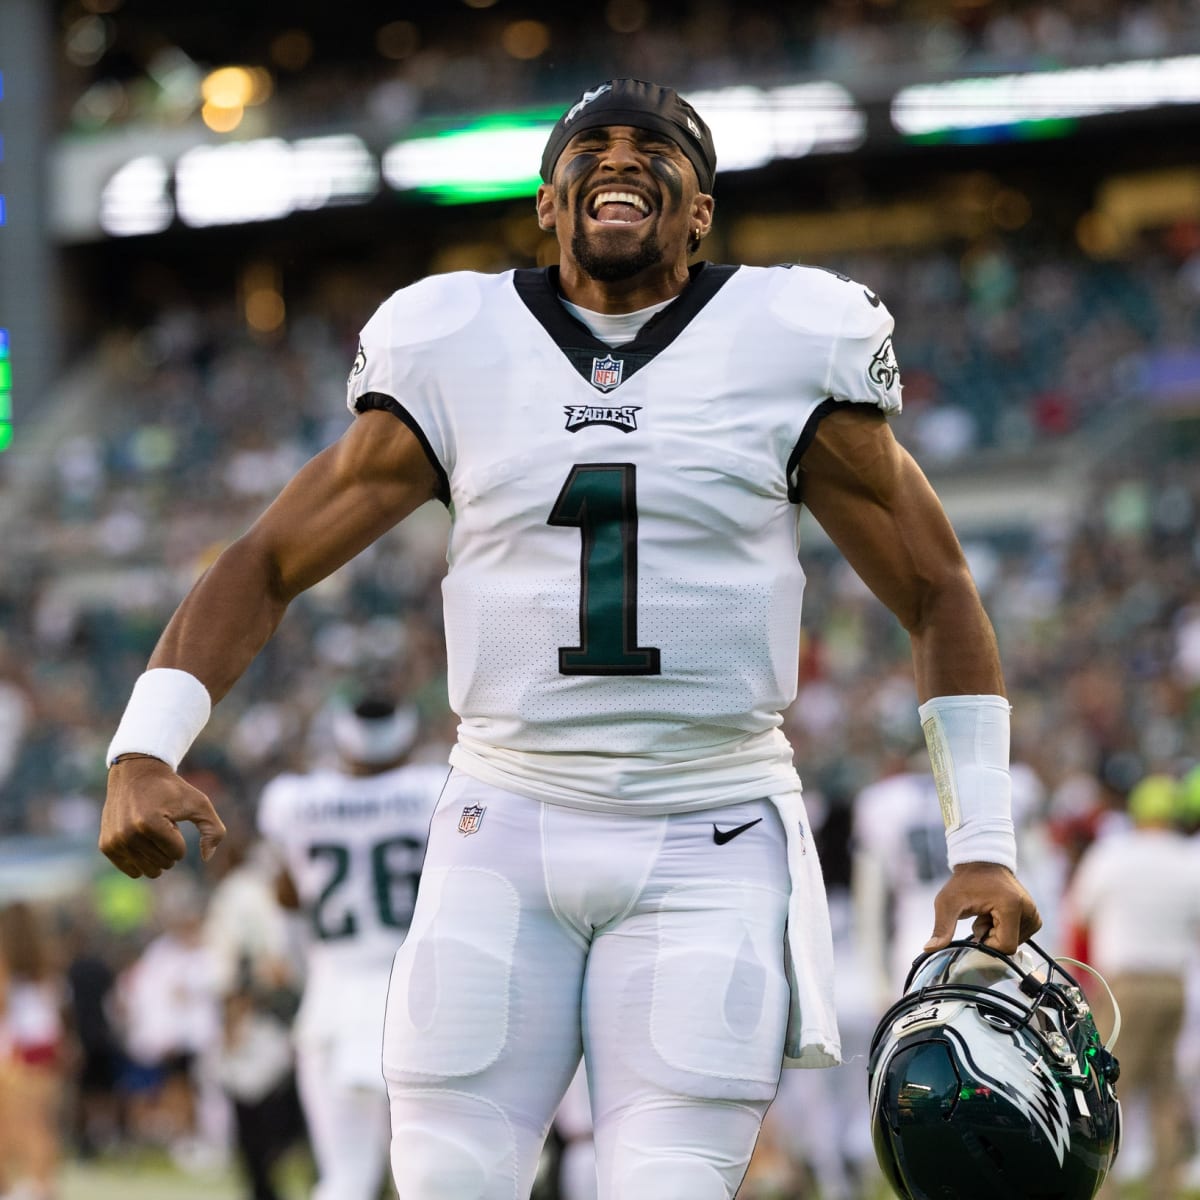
606	372
471	817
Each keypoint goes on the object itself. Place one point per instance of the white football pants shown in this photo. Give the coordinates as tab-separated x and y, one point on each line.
643	942
573	1123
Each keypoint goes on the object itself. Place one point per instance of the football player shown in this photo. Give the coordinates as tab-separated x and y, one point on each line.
624	441
350	840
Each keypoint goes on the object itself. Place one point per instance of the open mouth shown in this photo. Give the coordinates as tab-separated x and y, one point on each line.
613	207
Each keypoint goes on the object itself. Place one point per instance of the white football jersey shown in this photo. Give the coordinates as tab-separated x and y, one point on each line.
353	846
898	829
622	604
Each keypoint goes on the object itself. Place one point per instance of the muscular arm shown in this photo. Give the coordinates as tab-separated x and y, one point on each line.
875	503
873	500
334	507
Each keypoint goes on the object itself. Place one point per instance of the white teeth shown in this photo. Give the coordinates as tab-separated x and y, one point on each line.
621	198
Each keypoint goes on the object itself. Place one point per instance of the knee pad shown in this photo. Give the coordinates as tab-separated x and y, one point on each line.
672	1179
682	1150
451	1146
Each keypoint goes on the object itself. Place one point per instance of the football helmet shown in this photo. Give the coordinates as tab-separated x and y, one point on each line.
989	1081
375	731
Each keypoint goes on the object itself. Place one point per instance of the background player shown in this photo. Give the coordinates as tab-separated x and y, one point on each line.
351	839
900	864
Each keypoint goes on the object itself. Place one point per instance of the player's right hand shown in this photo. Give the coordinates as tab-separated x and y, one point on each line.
139	827
1005	914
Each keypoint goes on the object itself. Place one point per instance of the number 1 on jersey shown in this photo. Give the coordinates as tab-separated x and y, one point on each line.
600	500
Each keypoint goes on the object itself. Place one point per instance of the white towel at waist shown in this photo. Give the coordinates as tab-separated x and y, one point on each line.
812	1034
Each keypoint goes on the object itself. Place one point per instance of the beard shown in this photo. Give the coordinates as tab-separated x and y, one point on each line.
613	265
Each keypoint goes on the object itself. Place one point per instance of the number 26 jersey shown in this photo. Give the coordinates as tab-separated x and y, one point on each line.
353	846
622	601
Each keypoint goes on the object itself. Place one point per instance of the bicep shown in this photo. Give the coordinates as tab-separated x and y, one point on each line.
336	505
342	500
881	512
870	496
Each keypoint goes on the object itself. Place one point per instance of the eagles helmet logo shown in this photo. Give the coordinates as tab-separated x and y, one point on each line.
584	101
884	369
1023	1081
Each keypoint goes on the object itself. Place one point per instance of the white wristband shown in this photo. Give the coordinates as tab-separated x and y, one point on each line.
166	711
968	739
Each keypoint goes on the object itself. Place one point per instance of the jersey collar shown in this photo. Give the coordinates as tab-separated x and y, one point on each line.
538	289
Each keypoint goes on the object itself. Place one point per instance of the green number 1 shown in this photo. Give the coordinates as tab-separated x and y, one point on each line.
600	500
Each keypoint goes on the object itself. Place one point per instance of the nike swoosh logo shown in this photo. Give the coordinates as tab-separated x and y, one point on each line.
874	299
721	836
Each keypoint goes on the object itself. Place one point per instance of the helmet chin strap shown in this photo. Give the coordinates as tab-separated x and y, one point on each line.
1116	1031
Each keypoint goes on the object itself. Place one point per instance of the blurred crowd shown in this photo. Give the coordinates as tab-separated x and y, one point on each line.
121	64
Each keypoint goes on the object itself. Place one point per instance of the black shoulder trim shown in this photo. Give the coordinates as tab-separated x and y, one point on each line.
795	491
539	291
372	400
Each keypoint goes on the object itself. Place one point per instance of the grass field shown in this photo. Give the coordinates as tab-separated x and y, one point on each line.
155	1177
110	1181
152	1176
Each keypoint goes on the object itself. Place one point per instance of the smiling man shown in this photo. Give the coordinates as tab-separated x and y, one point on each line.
621	850
627	223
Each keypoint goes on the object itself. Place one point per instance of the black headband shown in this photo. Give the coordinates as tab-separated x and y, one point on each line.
644	106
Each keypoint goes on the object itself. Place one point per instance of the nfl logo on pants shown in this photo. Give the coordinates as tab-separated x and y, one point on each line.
471	817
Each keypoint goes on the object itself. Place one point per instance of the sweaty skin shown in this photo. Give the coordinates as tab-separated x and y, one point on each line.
864	489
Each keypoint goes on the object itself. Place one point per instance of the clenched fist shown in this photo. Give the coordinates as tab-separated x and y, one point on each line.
139	827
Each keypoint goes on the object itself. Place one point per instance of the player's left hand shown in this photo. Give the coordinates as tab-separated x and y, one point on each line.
1005	914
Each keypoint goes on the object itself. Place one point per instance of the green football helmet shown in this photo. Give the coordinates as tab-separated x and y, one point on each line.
988	1081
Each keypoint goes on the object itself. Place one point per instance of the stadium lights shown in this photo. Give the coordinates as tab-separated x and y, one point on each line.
752	126
490	160
227	92
135	200
1006	101
496	158
269	178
